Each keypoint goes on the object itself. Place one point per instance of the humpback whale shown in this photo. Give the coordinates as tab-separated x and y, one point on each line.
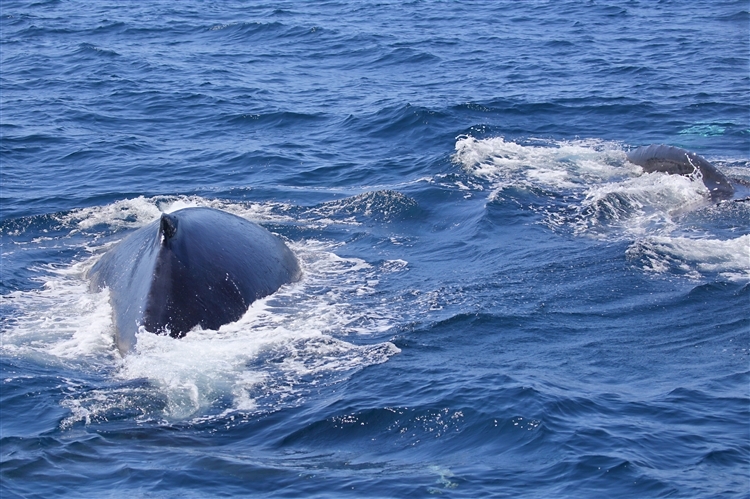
674	160
193	267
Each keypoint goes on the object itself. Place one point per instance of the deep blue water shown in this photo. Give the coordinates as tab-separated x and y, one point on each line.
495	302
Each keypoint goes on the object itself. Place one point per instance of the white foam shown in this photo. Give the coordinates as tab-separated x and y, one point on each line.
728	258
127	213
60	322
637	206
549	165
136	212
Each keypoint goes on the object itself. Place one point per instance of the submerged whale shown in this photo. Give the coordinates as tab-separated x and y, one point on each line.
193	267
674	160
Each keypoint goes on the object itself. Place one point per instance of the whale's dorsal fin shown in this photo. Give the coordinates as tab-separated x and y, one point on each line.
168	227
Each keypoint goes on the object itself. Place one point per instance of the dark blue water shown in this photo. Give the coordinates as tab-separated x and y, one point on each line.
495	302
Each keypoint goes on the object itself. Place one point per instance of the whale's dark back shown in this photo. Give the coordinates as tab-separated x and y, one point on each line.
674	160
196	266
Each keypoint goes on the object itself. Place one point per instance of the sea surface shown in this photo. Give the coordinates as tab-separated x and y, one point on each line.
495	302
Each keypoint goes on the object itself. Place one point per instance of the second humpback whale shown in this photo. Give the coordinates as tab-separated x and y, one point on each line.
674	160
195	266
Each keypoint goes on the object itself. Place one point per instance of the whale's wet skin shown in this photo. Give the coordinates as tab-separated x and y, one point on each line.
678	161
194	267
374	249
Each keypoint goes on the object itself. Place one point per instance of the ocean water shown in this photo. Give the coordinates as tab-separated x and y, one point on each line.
495	302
